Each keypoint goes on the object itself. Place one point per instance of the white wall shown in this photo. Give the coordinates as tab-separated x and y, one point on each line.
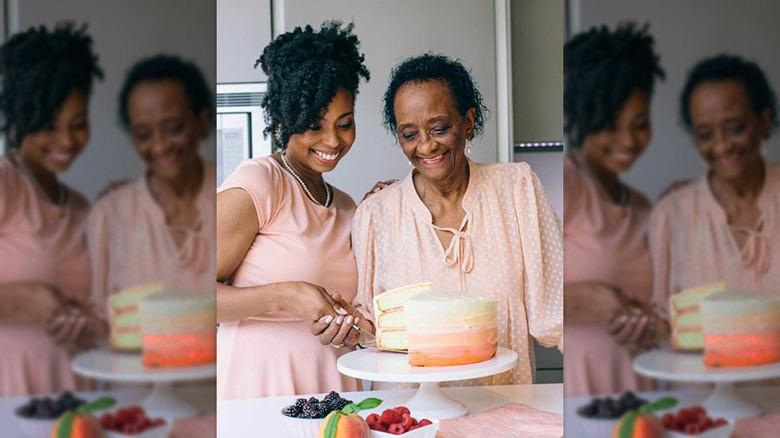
244	29
123	32
390	32
685	32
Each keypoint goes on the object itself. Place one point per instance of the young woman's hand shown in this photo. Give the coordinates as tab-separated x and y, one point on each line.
309	301
338	331
378	187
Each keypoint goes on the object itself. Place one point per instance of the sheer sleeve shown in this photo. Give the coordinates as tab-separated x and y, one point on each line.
363	248
542	248
98	246
659	245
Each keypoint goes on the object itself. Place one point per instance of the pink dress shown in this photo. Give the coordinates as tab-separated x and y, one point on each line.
39	241
131	245
275	354
602	242
508	247
691	242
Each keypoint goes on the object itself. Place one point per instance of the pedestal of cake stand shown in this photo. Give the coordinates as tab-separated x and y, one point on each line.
689	367
429	401
162	401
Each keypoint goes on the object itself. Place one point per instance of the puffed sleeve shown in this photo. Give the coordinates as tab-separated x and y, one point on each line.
363	248
263	182
98	247
659	241
542	248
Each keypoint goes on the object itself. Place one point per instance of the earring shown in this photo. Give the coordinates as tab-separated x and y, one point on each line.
468	147
410	162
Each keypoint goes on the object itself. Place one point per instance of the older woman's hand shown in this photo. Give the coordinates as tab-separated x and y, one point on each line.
378	187
632	329
338	330
310	302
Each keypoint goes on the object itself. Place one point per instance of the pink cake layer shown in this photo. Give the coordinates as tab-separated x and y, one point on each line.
453	348
741	349
179	349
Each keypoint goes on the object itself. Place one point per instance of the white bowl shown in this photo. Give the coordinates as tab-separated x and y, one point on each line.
36	427
428	431
719	432
162	431
598	427
303	427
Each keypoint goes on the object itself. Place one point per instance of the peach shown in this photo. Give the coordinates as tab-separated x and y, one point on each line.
347	426
645	426
84	426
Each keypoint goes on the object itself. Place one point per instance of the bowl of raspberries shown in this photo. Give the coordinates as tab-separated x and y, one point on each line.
38	416
694	422
305	417
399	421
132	421
599	417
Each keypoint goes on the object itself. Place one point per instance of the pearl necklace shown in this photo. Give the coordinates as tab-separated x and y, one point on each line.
60	189
328	193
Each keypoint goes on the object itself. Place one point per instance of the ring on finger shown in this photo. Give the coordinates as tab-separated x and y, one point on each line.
336	345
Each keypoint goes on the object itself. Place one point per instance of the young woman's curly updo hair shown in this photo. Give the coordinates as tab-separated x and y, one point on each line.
730	67
168	67
39	69
433	67
601	69
305	70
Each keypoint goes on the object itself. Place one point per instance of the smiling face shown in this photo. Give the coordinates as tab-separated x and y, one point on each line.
320	148
726	129
165	131
431	131
55	147
616	149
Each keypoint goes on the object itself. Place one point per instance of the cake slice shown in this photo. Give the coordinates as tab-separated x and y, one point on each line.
740	328
686	316
124	319
389	315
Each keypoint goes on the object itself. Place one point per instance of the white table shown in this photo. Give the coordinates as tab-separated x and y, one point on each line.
245	418
768	398
203	396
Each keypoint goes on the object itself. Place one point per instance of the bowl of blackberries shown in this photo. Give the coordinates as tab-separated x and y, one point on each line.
601	415
305	417
37	417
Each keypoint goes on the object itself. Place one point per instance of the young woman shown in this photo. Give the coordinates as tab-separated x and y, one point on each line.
47	78
283	233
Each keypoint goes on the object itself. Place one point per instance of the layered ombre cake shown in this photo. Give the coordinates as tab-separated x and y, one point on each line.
740	328
450	328
178	329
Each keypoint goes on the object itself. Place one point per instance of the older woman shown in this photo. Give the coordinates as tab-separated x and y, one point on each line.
160	227
726	226
609	77
487	229
283	245
47	78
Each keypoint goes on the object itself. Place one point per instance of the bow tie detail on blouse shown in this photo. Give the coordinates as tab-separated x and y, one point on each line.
460	253
755	253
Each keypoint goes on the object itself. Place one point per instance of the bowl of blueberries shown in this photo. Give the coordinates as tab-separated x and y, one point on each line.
305	417
38	416
599	417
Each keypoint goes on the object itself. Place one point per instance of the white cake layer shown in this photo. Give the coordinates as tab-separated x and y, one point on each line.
395	298
172	303
736	303
433	305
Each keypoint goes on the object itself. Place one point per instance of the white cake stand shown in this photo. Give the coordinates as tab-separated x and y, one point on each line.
689	367
429	401
127	367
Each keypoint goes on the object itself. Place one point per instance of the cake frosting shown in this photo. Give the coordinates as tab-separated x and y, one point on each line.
686	316
740	328
178	329
389	318
124	320
450	328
